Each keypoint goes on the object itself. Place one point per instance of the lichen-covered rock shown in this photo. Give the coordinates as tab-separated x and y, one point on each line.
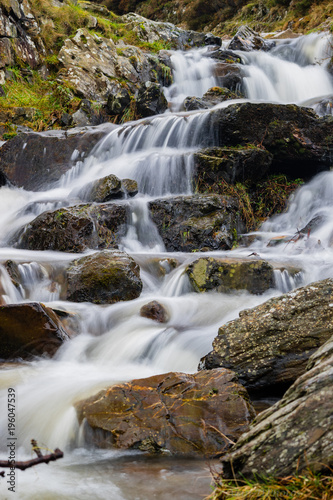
34	160
117	103
296	433
28	330
223	275
151	100
269	346
199	414
155	311
76	228
103	278
231	165
188	223
247	39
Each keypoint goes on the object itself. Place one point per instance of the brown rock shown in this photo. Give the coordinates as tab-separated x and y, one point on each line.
29	329
198	414
155	311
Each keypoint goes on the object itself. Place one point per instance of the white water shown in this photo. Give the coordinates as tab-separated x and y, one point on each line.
115	343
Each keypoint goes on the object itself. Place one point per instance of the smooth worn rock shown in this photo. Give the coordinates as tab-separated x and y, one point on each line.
247	39
155	311
151	100
294	435
103	278
213	165
199	414
34	160
28	330
188	223
223	275
269	346
213	96
76	229
106	189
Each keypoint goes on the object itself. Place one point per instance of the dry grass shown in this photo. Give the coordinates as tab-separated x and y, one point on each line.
309	486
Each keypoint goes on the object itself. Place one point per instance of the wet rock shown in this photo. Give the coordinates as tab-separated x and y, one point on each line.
223	275
103	278
76	228
28	330
269	346
231	165
246	39
213	96
108	188
229	76
155	311
188	223
296	433
13	272
226	56
151	100
34	160
297	138
117	103
184	414
159	267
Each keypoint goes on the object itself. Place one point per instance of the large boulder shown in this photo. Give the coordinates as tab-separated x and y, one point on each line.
77	228
199	414
223	275
103	278
28	330
35	160
294	435
269	346
213	165
188	223
298	139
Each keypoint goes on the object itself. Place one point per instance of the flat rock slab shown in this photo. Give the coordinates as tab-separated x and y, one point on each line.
296	433
199	414
269	345
28	330
223	275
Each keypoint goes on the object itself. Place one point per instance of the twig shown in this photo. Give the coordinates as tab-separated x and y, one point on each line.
44	459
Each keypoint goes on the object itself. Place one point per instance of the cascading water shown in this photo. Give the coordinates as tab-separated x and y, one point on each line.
115	343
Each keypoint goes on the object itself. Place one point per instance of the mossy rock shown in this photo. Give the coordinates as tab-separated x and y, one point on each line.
103	278
224	275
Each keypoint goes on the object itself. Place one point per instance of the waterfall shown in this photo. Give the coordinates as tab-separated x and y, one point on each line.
116	344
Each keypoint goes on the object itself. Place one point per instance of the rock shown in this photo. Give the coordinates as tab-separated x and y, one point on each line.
34	160
197	414
28	330
159	267
269	346
103	278
297	138
226	56
212	165
188	223
118	103
296	433
246	39
151	100
106	189
155	311
223	275
213	96
76	229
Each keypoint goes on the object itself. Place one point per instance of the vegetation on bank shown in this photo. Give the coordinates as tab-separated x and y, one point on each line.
309	486
224	17
258	202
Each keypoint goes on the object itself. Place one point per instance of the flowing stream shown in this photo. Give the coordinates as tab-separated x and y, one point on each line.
115	343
